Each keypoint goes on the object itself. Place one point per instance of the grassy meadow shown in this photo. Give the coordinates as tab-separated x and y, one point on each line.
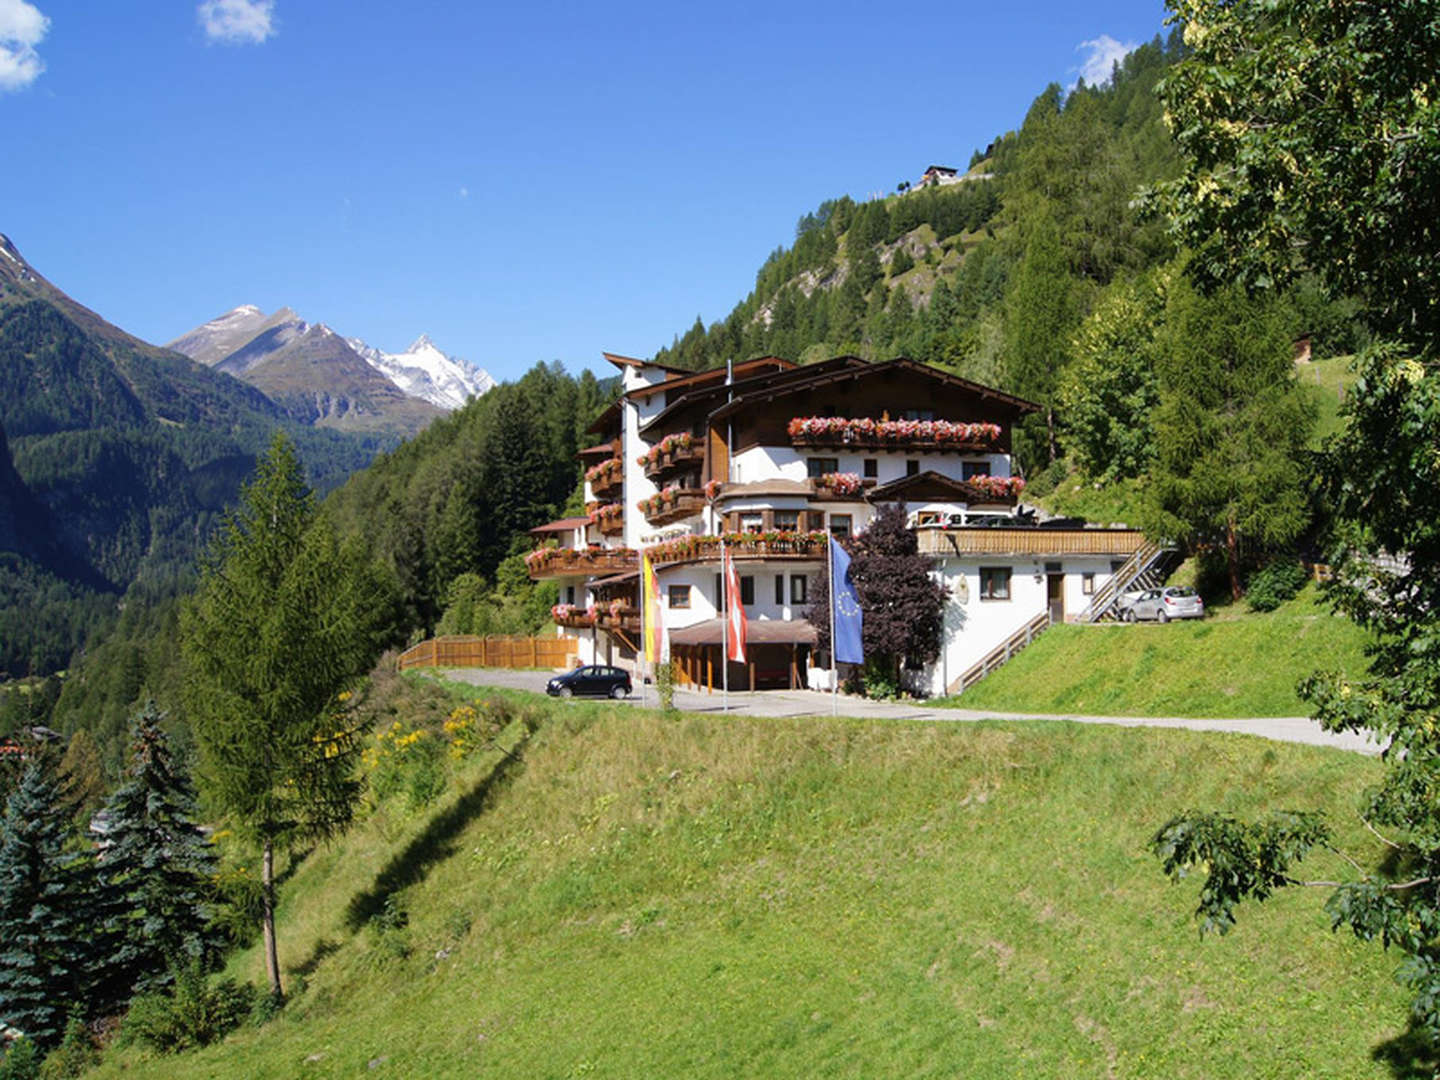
1232	663
635	896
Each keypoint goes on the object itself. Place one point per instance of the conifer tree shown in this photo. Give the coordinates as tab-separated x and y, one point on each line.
43	953
281	624
154	870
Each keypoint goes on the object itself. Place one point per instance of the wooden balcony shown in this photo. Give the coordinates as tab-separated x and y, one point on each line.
1032	541
685	503
931	436
609	487
576	619
610	481
741	546
587	562
675	461
626	619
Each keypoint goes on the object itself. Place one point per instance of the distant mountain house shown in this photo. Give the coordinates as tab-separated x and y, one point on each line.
939	175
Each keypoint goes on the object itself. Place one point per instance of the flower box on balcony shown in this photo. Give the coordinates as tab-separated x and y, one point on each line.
864	433
672	504
573	616
763	545
584	562
1004	488
609	518
671	454
607	478
840	486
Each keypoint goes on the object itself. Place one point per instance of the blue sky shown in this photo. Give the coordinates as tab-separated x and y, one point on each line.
523	182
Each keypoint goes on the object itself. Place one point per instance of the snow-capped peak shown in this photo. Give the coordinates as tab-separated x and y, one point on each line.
423	371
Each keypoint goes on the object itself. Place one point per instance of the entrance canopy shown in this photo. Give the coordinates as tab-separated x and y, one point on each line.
757	632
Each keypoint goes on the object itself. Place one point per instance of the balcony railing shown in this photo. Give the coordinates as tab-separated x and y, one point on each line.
672	504
577	618
624	616
864	433
583	562
672	454
607	478
762	545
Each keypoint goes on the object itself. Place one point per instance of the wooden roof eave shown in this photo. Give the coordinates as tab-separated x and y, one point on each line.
750	385
607	421
1018	405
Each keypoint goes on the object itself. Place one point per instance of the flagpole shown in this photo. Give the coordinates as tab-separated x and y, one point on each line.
834	664
724	629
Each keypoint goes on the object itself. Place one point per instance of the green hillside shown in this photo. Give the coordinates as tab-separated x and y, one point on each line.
1236	663
710	897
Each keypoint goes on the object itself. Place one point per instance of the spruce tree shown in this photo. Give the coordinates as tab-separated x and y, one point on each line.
154	871
43	954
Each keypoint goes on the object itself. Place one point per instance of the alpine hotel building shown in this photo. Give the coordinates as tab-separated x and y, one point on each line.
775	456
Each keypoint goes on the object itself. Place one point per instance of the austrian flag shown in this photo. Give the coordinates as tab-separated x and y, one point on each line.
734	614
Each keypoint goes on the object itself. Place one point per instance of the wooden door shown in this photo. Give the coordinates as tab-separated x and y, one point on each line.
1055	596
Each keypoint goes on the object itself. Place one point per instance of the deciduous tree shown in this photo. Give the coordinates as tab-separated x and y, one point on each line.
1312	135
281	624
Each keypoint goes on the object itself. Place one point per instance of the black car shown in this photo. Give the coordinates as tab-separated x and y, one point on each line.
591	679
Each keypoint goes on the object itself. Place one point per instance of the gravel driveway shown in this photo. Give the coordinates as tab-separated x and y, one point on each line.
1296	729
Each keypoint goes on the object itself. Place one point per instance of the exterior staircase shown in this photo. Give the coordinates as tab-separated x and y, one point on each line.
1001	653
1147	568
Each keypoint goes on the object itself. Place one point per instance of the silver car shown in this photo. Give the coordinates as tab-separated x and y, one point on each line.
1162	605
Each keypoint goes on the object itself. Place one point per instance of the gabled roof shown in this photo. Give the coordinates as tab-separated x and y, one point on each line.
817	375
752	382
760	488
563	525
711	376
630	361
928	485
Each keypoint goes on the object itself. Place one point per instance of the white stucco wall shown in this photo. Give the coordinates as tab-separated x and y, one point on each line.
701	579
974	626
769	462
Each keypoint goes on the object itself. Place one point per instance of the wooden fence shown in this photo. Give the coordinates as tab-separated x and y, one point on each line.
511	652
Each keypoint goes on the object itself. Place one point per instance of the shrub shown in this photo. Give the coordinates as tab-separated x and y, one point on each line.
405	762
880	681
193	1014
665	685
239	904
1274	583
75	1054
389	936
21	1061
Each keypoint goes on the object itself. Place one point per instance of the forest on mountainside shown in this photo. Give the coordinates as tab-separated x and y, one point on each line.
442	519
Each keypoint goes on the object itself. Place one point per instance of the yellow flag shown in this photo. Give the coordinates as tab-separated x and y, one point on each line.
650	607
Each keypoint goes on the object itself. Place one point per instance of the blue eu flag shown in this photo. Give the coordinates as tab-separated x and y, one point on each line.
845	607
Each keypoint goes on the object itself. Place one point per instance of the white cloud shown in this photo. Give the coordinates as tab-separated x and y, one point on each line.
22	27
237	22
1105	52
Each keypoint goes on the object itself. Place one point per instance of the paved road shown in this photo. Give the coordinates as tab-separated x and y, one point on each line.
1297	729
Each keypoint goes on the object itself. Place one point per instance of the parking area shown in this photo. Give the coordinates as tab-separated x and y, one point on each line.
783	703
